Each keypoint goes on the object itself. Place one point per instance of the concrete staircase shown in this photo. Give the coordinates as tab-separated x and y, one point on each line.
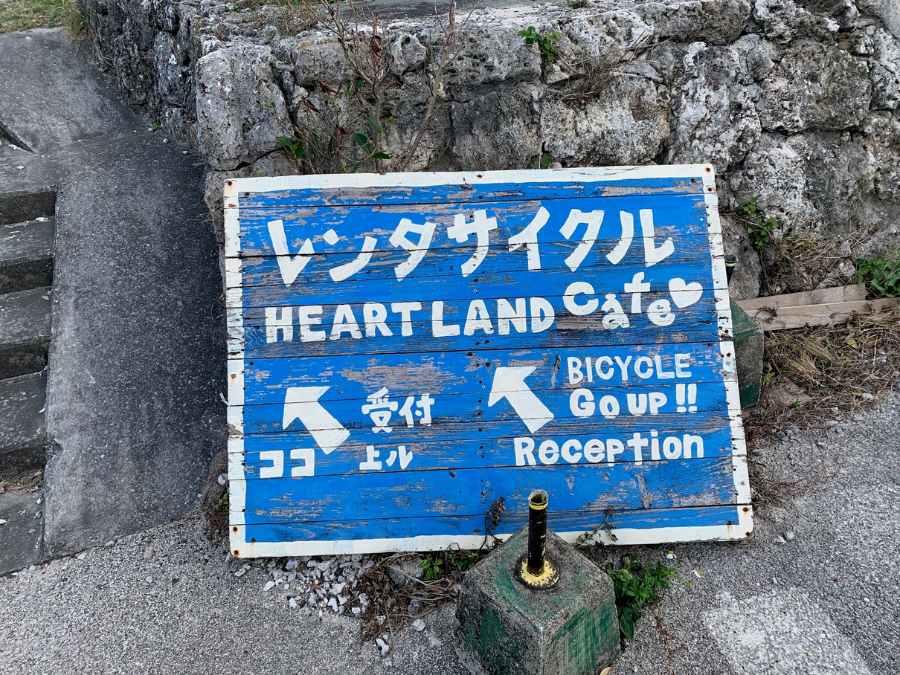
27	230
102	219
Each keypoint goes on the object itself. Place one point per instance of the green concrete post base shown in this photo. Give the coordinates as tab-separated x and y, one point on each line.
749	347
503	627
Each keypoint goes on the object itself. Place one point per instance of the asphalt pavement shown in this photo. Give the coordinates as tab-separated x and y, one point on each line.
816	590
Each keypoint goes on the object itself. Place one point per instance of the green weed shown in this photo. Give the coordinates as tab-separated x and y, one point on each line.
544	42
434	567
455	560
635	587
881	275
762	232
464	560
223	503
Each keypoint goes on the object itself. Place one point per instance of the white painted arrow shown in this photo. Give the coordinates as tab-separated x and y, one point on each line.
509	383
302	403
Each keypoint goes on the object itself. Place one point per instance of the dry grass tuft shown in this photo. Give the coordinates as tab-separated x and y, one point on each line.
388	601
842	369
32	482
293	17
214	503
18	15
793	264
769	490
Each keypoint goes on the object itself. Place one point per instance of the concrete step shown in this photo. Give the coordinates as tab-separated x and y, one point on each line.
23	435
24	331
26	255
21	536
23	205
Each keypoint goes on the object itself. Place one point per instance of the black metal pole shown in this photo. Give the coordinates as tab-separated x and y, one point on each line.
537	531
730	264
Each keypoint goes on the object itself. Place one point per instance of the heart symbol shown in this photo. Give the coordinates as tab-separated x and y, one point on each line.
684	294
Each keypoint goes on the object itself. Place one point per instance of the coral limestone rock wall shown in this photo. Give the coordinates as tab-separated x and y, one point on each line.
795	102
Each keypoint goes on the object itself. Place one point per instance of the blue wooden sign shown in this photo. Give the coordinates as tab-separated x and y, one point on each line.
411	355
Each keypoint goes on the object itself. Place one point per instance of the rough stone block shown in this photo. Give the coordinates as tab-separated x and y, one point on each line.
504	627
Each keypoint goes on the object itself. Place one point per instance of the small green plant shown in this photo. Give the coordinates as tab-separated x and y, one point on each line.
544	41
368	144
223	503
433	567
881	275
545	160
318	149
463	560
762	232
155	125
635	587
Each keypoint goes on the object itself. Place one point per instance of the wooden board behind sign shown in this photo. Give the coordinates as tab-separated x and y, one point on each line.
411	354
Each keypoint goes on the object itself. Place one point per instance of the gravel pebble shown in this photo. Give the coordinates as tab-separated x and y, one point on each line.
418	625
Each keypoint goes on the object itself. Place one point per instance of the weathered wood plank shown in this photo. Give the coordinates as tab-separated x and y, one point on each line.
666	484
482	421
816	297
351	225
454	453
425	188
552	282
692	325
600	369
828	314
614	527
445	264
